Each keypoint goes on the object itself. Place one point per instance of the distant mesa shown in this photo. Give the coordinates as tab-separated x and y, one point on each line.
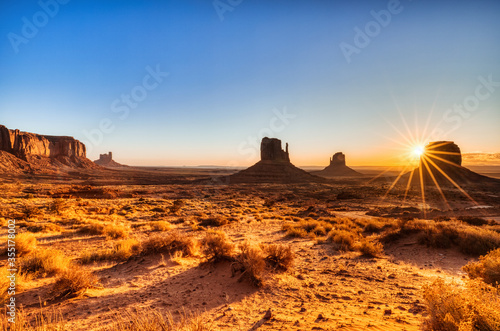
441	163
274	167
25	152
337	168
106	160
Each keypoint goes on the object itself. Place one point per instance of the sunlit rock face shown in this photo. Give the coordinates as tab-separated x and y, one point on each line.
338	159
443	153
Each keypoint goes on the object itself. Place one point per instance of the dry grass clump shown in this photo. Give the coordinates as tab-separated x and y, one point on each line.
473	220
369	248
152	320
214	221
251	262
44	227
114	231
25	243
122	250
73	282
30	211
57	206
216	246
370	225
304	228
342	239
170	243
44	262
470	239
6	283
160	226
43	321
451	308
279	257
487	268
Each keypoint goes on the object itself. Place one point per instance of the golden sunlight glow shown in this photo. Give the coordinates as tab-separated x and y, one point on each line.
418	151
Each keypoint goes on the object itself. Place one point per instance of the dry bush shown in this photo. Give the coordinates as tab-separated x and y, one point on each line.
305	227
342	239
57	206
114	231
177	205
74	281
30	211
170	243
371	225
152	320
44	262
369	248
160	226
44	227
487	268
251	263
216	246
122	250
214	221
473	220
451	308
279	257
25	243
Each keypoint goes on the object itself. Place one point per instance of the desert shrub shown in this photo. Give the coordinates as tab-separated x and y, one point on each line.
477	241
487	268
250	261
473	220
279	257
122	250
74	281
25	243
57	206
170	243
150	320
305	227
176	206
214	221
44	262
216	246
160	226
342	239
375	225
45	227
30	211
114	231
451	308
369	247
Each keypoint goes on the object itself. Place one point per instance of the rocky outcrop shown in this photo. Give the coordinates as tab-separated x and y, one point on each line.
274	167
337	168
106	160
441	163
40	152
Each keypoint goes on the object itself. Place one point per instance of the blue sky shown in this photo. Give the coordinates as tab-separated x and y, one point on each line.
228	79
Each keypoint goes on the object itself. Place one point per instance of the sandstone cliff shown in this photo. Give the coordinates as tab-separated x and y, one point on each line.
337	168
40	153
274	167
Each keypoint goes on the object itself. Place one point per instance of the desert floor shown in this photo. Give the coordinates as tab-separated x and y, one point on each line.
328	287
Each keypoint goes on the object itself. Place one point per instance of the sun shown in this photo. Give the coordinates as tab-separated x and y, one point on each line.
418	151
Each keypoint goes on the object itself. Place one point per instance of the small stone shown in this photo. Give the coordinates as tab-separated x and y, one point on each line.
387	312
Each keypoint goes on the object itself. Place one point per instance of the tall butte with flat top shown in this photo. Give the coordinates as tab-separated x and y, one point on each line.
441	164
337	167
274	167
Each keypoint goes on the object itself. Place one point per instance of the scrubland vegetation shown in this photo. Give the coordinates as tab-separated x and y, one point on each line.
69	245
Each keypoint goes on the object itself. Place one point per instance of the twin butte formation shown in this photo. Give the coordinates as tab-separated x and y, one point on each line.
25	152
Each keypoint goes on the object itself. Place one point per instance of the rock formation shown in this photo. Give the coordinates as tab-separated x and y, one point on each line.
106	160
441	163
337	167
35	153
274	167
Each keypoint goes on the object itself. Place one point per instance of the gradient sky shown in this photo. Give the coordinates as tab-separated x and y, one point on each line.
228	78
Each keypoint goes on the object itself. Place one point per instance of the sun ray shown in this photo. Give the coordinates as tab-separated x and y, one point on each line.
424	161
422	189
409	184
401	173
